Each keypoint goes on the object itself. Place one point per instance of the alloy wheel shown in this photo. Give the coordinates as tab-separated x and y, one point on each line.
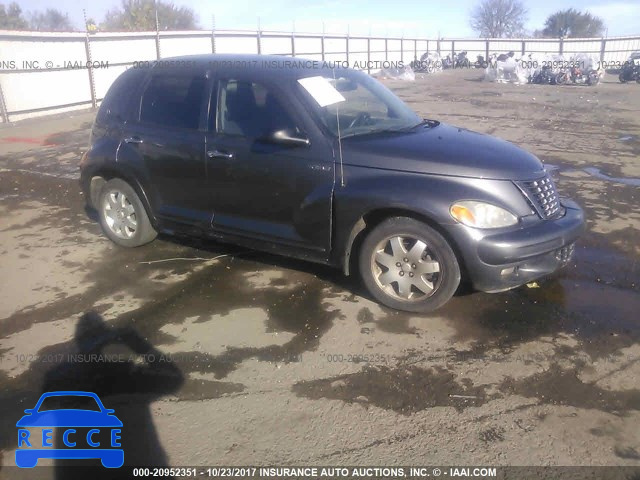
405	268
119	214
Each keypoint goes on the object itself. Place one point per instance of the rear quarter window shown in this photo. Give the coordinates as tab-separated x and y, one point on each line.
116	103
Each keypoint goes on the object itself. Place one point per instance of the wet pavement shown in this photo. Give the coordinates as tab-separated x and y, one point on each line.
212	354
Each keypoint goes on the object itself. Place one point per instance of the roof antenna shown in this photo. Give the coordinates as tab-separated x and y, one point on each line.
339	135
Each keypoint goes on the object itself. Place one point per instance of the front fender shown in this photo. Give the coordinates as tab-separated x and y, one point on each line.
369	190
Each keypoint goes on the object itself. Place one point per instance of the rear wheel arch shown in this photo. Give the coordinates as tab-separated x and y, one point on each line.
102	176
122	214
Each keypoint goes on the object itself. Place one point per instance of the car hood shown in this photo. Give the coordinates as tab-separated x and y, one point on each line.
443	150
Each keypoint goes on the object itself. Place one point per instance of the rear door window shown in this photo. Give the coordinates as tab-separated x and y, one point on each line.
173	100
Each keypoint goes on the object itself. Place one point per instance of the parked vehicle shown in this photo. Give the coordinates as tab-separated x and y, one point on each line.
543	76
429	63
578	76
503	57
324	165
630	70
462	61
480	62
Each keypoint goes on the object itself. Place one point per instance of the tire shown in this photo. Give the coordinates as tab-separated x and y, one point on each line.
423	283
621	78
122	216
561	79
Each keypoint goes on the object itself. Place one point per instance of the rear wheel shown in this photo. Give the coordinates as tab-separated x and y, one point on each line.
122	215
407	265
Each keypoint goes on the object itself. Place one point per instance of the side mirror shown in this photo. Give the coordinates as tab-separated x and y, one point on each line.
288	137
109	411
29	411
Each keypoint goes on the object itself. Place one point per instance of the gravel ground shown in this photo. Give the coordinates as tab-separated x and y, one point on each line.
271	361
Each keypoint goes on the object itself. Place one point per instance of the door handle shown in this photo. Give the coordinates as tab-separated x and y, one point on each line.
135	140
219	154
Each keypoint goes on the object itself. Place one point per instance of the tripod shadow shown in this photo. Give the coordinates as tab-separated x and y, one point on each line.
126	382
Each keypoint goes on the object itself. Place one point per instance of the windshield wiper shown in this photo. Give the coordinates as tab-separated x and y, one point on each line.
372	132
423	123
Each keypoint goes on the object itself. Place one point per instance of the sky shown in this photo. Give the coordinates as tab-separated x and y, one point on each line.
408	18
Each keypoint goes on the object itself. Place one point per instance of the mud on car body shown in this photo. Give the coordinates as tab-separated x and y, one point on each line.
325	165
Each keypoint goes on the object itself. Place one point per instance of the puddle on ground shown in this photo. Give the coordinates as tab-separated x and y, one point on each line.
628	138
595	299
403	390
634	182
594	172
563	387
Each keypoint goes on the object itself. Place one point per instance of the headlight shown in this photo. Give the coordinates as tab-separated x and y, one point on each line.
482	215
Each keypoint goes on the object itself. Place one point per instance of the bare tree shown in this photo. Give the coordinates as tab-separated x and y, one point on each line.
499	18
572	23
51	20
140	15
11	17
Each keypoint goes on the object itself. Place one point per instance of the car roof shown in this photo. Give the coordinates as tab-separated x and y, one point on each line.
278	67
75	393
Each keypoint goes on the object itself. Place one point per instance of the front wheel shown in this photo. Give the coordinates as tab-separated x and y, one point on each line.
407	265
622	78
122	215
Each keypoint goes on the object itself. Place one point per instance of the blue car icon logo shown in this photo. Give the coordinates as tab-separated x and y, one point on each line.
93	432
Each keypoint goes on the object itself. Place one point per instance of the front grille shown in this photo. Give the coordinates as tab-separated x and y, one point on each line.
542	195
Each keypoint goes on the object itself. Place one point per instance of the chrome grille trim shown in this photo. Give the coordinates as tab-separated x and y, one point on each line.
542	195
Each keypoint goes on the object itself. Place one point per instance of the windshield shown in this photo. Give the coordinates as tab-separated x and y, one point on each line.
367	106
66	402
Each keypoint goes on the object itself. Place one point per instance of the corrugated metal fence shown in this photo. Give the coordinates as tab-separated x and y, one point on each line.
42	73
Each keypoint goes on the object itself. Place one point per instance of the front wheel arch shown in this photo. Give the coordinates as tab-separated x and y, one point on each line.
429	274
373	218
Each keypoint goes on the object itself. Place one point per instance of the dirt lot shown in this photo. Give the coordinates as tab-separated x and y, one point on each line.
281	362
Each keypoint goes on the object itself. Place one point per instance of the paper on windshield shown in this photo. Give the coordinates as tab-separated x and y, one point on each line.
321	90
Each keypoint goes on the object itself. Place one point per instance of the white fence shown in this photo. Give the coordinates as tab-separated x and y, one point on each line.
43	73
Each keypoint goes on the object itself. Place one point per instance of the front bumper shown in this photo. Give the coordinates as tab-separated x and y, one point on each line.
505	260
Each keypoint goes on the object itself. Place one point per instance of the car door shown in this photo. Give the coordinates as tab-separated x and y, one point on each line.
261	189
169	137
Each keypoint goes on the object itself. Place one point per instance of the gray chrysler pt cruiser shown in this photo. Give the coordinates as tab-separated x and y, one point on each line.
323	164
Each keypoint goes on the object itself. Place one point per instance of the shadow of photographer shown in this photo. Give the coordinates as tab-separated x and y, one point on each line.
128	383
